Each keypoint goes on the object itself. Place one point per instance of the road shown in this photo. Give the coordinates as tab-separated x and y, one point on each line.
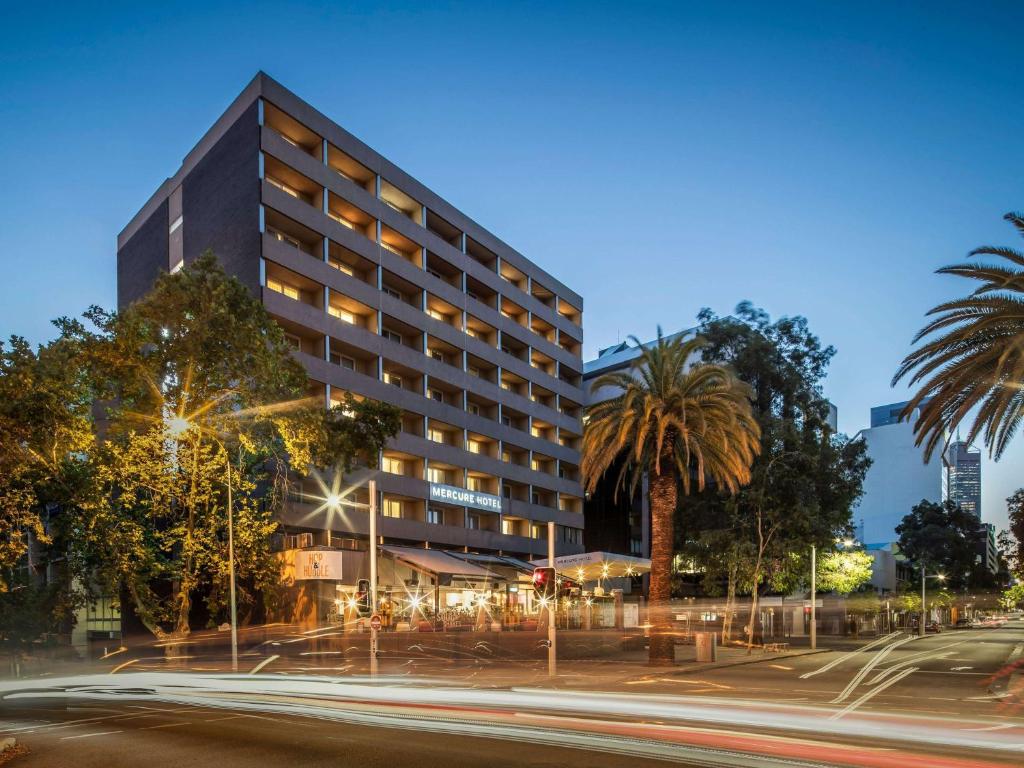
901	702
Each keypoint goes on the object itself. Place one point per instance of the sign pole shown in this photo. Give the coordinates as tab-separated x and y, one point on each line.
814	596
552	656
373	577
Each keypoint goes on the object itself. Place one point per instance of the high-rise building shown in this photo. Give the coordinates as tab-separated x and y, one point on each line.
963	477
387	291
899	477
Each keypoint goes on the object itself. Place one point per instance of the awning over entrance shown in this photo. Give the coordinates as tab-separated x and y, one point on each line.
593	566
495	561
437	562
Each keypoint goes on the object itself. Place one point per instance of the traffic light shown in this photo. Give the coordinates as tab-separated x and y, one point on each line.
363	595
544	582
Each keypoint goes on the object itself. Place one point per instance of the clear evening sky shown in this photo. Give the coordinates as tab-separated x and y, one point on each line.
659	158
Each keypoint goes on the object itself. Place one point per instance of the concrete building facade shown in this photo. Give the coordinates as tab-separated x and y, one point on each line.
387	291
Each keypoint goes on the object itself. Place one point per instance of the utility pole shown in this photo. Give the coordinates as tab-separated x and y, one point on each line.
373	576
920	624
814	601
231	569
552	657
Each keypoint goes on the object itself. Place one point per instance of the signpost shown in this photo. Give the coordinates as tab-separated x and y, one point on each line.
374	617
552	658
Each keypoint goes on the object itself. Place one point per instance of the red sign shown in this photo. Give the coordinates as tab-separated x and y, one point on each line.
375	622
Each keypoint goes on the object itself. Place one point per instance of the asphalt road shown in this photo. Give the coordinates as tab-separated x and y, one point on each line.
899	703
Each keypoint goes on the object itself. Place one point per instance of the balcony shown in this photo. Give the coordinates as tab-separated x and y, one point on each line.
542	294
513	312
350	169
291	130
293	285
351	358
350	263
542	362
292	233
400	245
444	230
444	270
405	378
292	183
481	331
481	369
350	217
400	202
403	334
570	313
482	254
352	312
441	392
444	312
444	434
514	276
481	445
401	289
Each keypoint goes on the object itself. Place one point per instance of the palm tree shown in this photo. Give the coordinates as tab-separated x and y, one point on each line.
977	360
680	422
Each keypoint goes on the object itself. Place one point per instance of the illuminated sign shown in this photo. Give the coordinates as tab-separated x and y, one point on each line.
317	564
450	494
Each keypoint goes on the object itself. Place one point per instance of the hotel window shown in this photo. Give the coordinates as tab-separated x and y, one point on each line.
636	547
436	435
435	273
342	314
536	498
293	341
474	446
392	336
288	290
342	267
344	361
392	292
506	420
473	521
506	491
535	466
474	333
392	508
435	475
282	186
475	483
341	220
392	379
439	355
437	394
279	235
472	370
538	531
506	456
394	466
473	408
437	315
535	431
435	517
508	527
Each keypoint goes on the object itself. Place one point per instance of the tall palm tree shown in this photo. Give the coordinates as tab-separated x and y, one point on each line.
680	422
977	359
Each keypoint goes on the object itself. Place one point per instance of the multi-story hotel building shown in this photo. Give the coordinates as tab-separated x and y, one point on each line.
387	291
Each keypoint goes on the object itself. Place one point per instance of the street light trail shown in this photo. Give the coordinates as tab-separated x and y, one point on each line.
872	693
849	655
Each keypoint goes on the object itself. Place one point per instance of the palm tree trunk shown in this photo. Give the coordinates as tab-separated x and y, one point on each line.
730	604
663	493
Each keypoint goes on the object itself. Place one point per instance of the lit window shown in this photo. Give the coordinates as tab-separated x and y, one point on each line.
436	435
393	465
437	395
392	508
390	378
282	186
476	483
435	475
342	314
393	249
538	531
437	315
474	446
342	267
534	465
473	332
279	235
341	220
506	456
288	290
536	432
472	370
508	527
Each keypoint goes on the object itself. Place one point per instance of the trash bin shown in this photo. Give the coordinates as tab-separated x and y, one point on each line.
707	646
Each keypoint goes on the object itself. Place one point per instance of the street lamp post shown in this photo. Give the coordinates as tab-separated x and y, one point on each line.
372	486
231	569
552	655
814	601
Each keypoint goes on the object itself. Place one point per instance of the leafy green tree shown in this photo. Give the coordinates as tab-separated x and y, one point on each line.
974	361
196	376
681	423
1014	544
805	479
1013	597
844	571
944	539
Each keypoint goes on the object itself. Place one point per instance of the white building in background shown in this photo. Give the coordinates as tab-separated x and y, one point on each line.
898	478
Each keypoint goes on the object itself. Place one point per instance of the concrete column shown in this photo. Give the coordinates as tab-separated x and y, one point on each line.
620	621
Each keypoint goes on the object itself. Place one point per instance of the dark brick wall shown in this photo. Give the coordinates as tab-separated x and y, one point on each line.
221	199
143	258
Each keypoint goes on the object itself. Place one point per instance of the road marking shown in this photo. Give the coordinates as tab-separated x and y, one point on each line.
872	693
959	669
871	664
850	654
87	735
164	725
122	666
1000	727
262	664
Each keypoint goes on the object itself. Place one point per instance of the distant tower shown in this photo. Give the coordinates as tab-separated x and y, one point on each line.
963	476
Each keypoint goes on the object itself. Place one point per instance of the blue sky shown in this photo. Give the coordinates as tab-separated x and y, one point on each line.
817	160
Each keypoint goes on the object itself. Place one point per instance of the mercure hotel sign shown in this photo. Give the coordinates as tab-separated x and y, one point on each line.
450	494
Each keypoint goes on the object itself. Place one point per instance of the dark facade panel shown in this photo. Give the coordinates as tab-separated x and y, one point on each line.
143	257
221	198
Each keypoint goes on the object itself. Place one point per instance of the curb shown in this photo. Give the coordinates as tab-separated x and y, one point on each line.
743	662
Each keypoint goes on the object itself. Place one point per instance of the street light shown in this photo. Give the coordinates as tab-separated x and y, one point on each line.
940	577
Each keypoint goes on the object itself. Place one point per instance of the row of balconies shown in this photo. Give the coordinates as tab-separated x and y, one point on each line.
318	195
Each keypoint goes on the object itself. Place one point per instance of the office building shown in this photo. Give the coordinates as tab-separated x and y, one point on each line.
899	477
963	477
387	291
